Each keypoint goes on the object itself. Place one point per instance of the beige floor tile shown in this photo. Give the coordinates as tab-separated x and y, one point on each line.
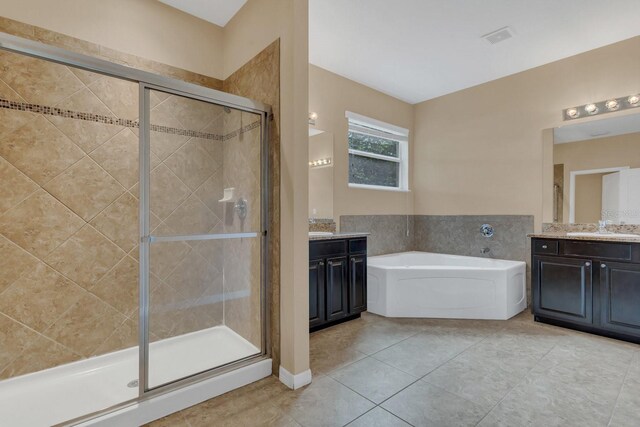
325	359
85	188
40	150
424	352
173	420
378	417
86	257
39	297
325	402
480	382
423	404
373	379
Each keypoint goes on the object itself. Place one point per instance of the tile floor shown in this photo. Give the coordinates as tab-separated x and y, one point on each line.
376	371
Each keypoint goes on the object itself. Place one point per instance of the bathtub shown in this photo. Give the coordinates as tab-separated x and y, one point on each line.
424	284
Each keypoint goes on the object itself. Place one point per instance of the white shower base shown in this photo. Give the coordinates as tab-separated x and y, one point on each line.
69	391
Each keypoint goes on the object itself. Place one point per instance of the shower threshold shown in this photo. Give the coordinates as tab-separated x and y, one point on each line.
73	390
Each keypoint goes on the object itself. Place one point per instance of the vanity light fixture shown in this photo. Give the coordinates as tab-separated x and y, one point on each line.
602	107
320	162
612	104
591	109
313	116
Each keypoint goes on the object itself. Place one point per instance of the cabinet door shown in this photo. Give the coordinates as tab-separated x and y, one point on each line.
337	288
357	283
317	312
562	289
620	297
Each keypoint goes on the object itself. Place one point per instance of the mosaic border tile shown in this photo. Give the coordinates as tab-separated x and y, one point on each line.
135	124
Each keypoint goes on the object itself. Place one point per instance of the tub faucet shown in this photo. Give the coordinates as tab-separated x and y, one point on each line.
485	250
602	226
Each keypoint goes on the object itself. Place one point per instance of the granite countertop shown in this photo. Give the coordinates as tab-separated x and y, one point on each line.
565	236
334	236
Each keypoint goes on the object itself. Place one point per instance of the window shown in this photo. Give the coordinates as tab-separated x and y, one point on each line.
378	154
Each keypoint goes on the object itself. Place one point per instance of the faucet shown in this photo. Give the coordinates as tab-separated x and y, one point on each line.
485	250
602	226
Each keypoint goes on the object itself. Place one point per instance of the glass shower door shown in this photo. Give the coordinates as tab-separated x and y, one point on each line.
202	235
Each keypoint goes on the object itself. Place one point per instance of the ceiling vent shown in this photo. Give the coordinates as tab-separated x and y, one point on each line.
498	36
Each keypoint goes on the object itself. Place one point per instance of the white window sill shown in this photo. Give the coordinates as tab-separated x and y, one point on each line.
378	187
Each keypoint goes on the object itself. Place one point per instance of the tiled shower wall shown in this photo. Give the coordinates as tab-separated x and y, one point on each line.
69	214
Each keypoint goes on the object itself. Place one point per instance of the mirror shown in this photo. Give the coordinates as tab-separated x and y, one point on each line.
320	174
596	171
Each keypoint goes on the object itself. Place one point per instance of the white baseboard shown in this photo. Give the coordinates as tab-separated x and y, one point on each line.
295	381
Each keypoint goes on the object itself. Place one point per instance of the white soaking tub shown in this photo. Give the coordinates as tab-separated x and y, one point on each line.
424	284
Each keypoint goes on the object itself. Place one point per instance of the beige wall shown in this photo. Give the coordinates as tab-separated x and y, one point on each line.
255	26
589	198
145	28
321	178
615	151
480	150
330	95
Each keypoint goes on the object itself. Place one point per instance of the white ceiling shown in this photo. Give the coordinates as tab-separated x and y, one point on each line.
218	12
603	128
421	49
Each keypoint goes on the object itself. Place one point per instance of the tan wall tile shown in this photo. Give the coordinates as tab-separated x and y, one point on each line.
192	163
119	222
14	261
39	224
15	338
85	257
43	353
39	297
119	157
87	314
85	188
119	287
39	150
16	186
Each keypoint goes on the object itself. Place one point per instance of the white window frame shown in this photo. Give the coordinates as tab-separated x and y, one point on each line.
368	126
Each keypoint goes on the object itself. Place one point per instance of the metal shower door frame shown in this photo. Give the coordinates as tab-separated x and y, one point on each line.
147	80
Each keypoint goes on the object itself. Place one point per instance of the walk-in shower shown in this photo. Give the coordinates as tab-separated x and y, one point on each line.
133	236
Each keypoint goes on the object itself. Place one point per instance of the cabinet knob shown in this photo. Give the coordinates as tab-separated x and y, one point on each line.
603	265
587	264
544	246
321	263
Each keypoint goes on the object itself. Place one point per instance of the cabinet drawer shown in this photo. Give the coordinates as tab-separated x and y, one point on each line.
357	246
599	250
325	248
545	247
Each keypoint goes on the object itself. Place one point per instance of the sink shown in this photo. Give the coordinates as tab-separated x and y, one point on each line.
602	235
320	233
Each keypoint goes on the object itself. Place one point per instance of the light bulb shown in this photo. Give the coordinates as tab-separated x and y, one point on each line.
591	108
612	105
573	113
634	100
313	115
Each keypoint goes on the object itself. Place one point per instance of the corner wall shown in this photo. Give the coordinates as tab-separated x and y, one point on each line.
479	151
330	95
144	28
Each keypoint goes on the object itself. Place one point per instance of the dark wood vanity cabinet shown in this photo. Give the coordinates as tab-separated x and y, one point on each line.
337	281
590	286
